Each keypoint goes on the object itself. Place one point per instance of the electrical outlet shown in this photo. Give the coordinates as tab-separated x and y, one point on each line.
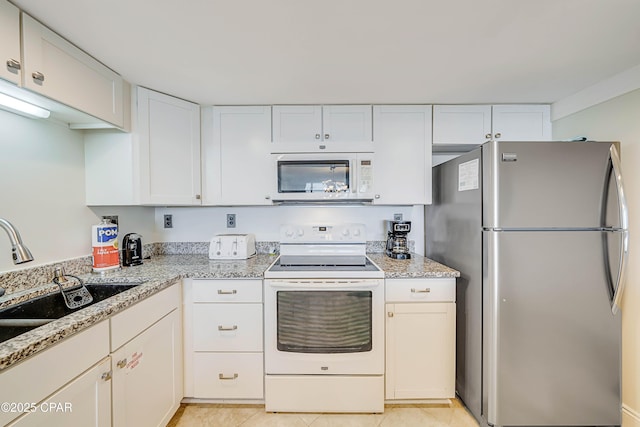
168	221
112	218
397	217
231	220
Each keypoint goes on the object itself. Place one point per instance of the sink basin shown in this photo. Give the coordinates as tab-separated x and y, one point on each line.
20	318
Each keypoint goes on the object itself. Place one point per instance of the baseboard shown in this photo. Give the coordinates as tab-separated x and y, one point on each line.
630	417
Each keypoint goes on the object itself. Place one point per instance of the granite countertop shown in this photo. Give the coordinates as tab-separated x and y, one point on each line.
159	273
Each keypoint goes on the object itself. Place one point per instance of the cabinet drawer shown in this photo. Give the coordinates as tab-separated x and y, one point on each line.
228	375
227	327
227	290
424	290
137	318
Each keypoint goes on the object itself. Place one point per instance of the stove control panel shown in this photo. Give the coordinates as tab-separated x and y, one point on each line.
333	233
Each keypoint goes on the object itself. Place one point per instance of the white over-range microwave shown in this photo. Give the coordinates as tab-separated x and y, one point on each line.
323	177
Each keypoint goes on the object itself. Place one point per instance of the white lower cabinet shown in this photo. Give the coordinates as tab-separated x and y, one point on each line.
420	339
124	371
223	339
85	401
147	368
70	371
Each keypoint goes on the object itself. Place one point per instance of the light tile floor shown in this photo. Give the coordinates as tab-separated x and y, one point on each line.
410	415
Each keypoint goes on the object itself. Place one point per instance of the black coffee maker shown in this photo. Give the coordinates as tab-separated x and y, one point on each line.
132	250
397	242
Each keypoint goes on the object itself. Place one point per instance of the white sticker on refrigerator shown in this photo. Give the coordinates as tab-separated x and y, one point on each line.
468	178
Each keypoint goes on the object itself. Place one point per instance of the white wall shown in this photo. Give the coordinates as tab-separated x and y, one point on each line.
619	120
201	224
42	192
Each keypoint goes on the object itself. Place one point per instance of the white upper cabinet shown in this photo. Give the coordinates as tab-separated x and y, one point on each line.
402	159
168	129
469	125
461	124
235	155
10	66
521	122
301	128
55	68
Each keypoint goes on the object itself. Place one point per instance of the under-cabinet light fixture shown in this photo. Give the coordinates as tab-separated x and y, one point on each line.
15	105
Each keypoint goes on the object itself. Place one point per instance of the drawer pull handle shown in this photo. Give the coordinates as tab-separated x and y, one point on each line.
222	328
38	76
121	363
420	291
12	63
232	292
223	377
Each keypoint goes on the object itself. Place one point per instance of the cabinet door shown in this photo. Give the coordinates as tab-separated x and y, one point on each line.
9	42
402	160
297	124
235	150
461	124
169	132
420	351
55	68
85	401
522	122
345	124
147	375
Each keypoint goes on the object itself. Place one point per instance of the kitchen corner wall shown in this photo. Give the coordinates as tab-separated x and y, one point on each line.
200	224
619	120
42	192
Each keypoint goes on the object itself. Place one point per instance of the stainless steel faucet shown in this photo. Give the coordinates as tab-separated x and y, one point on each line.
19	251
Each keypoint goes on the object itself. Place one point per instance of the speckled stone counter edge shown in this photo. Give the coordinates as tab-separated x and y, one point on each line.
31	277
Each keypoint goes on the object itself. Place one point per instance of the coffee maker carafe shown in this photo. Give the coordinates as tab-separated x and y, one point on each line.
397	242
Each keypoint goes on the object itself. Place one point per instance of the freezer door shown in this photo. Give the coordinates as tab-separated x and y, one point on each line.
545	184
550	341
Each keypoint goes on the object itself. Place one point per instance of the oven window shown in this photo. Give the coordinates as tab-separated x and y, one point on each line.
313	176
324	321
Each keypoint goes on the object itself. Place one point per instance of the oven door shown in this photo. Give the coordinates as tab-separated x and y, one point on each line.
324	326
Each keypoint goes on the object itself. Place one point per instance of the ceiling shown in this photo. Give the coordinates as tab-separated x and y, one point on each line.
229	52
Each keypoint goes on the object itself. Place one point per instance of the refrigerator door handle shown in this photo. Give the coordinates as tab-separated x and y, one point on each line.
624	225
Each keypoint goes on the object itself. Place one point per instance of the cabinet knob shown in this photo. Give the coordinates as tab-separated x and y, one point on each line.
12	63
107	376
317	136
38	76
390	314
377	196
326	136
198	197
224	377
488	136
267	197
121	363
498	135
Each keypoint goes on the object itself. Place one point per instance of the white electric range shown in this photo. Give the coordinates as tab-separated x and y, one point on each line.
324	322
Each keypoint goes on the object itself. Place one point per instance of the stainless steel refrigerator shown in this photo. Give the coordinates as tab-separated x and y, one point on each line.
539	233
